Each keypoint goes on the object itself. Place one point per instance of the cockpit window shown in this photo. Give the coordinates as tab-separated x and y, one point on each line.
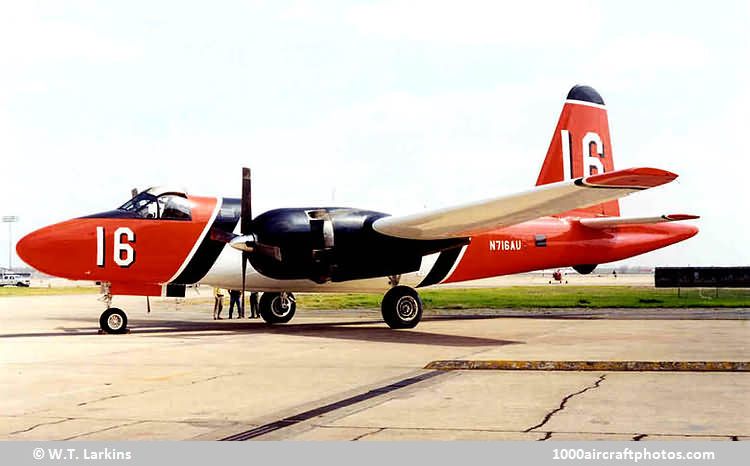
173	207
165	207
138	202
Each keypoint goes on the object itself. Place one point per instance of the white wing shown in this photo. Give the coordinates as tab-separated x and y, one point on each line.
478	217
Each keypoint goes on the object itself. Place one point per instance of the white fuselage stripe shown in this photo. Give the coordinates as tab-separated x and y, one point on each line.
455	264
583	102
197	244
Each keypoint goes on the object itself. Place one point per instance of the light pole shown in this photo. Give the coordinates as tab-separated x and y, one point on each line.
10	220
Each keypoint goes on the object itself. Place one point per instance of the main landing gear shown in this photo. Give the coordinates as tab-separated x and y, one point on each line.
277	308
401	307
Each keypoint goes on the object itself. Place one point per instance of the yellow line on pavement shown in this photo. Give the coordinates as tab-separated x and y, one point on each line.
634	366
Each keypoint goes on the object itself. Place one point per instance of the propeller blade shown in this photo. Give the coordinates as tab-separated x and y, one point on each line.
244	269
247	203
244	243
221	235
248	244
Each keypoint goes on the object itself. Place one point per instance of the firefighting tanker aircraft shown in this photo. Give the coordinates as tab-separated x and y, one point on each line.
163	240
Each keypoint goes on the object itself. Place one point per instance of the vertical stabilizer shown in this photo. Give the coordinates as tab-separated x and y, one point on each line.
581	146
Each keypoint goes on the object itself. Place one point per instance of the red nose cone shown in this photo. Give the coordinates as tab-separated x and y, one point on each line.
57	250
35	249
28	249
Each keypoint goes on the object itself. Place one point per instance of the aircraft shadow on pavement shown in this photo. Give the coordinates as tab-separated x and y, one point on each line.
346	330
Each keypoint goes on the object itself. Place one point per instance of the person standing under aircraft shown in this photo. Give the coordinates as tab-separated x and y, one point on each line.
234	300
218	302
254	305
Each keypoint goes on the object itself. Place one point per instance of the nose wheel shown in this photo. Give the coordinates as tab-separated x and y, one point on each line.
401	307
114	320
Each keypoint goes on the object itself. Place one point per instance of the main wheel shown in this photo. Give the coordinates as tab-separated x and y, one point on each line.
277	309
113	320
401	307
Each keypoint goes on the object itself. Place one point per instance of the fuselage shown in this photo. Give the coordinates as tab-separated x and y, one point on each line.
160	256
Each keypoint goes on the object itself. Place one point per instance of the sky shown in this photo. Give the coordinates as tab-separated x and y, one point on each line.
395	106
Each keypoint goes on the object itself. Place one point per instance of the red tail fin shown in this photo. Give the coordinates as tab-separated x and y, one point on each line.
581	146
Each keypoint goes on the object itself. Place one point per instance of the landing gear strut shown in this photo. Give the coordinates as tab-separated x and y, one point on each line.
113	320
401	307
277	308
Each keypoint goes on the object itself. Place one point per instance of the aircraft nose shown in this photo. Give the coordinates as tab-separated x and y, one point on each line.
54	250
33	249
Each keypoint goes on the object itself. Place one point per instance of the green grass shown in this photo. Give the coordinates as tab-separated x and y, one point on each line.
15	291
515	297
543	297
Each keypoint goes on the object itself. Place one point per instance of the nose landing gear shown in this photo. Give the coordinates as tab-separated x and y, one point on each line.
113	320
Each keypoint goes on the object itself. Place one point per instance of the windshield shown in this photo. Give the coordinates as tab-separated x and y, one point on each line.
165	207
138	202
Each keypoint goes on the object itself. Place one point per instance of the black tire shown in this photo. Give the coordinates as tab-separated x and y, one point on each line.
271	310
401	307
114	320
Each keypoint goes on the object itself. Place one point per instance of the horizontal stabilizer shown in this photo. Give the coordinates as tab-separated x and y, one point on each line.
610	222
549	199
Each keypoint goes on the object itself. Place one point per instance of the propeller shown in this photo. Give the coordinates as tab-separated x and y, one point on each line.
246	241
246	223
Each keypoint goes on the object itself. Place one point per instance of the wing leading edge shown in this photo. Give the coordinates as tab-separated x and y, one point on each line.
611	222
550	199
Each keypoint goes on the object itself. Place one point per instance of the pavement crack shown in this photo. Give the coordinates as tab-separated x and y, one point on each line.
125	424
40	424
547	436
208	379
565	401
149	390
361	436
110	397
639	437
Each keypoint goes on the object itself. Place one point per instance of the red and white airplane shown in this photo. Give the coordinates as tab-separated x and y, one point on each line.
163	240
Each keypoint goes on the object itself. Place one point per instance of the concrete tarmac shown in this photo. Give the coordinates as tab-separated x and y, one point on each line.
333	375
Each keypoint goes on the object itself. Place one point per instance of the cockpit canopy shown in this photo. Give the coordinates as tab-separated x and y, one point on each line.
160	203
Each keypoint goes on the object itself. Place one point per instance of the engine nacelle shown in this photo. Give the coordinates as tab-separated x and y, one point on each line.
335	244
